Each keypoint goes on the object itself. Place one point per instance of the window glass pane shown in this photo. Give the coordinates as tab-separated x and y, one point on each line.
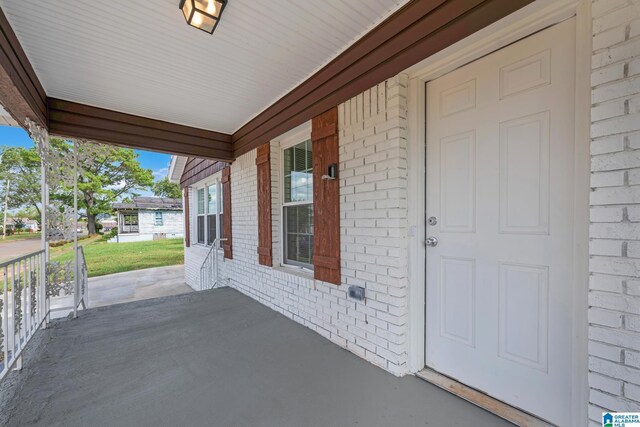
221	229
131	219
158	218
299	234
211	229
212	199
221	203
200	229
298	173
201	201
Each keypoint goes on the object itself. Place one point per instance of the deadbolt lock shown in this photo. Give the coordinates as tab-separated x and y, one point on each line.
432	220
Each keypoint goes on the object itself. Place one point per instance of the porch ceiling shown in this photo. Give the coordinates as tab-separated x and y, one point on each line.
142	58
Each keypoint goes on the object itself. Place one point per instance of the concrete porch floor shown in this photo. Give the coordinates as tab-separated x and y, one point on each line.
214	358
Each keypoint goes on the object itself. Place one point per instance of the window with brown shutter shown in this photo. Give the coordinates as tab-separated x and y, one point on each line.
297	202
226	208
326	197
263	162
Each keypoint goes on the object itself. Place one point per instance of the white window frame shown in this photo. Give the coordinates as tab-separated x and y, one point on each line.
156	218
295	137
213	180
122	222
198	215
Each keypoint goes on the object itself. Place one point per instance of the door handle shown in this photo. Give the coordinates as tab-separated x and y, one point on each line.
431	241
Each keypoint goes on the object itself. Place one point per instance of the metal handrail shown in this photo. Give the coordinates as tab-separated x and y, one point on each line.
210	263
20	258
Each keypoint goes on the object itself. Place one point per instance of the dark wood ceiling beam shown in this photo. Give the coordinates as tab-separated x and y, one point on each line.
23	96
21	93
417	31
198	169
70	119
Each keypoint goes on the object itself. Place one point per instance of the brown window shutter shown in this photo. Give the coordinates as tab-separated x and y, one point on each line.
226	209
187	218
263	161
326	198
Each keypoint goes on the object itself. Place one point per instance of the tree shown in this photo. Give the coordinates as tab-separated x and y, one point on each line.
166	188
105	174
29	212
22	167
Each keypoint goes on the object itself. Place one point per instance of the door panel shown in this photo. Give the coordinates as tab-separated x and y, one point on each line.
500	183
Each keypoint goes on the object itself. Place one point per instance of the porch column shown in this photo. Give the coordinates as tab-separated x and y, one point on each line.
40	137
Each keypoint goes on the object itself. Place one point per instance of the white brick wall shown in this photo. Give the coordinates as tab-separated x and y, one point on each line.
373	182
614	291
373	203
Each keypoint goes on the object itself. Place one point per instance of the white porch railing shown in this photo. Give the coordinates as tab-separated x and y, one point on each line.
210	267
30	281
25	306
81	292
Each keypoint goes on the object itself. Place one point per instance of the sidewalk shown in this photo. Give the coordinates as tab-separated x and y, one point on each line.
128	287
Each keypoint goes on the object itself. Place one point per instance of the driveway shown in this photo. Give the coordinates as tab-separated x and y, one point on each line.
16	248
128	287
214	358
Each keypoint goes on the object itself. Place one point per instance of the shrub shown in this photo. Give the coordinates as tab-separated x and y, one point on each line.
109	235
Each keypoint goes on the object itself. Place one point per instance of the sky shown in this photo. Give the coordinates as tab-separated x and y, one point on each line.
157	162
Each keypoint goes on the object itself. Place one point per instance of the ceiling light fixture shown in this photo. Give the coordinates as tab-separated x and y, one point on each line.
203	14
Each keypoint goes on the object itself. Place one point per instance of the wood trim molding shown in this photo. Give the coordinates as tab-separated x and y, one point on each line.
265	238
413	33
227	245
326	198
484	401
326	262
197	169
326	131
264	252
75	120
21	93
187	218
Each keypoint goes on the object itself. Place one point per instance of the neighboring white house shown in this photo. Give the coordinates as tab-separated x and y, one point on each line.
149	218
30	225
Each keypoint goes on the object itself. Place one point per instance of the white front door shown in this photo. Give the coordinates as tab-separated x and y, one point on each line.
500	161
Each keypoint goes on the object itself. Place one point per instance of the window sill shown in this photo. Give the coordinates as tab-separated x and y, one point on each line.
203	246
295	271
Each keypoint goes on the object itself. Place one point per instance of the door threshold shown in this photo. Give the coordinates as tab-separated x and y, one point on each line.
484	401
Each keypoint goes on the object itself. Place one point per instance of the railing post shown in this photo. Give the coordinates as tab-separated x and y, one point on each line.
42	281
12	329
76	259
27	296
44	257
5	318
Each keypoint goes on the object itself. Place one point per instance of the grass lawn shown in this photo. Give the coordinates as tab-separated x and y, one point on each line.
107	258
19	236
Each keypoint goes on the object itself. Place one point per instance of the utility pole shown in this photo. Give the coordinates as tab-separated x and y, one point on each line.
6	204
